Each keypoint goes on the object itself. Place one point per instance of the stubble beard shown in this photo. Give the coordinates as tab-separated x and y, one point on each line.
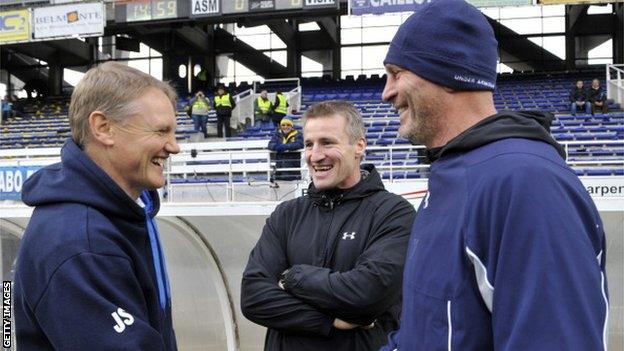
423	120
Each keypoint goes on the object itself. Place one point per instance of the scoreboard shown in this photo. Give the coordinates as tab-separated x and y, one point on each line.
152	10
149	11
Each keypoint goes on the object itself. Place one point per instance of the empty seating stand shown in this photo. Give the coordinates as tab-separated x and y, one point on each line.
46	125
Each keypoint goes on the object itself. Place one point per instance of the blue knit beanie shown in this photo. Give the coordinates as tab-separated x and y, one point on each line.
448	42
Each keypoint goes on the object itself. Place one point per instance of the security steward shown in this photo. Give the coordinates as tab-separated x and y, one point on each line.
262	107
280	108
223	104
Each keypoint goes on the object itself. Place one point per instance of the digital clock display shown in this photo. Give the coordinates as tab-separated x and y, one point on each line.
151	10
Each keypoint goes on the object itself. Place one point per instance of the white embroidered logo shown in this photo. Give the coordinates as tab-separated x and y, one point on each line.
121	323
346	236
427	199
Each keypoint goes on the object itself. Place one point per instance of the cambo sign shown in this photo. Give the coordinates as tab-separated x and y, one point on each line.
12	179
69	20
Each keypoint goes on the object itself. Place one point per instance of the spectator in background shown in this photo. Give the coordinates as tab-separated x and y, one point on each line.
7	108
597	97
200	106
223	104
326	272
90	272
18	106
287	143
187	108
578	99
280	108
262	107
508	249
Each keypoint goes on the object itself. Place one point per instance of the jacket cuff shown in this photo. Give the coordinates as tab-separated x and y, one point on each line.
327	327
292	278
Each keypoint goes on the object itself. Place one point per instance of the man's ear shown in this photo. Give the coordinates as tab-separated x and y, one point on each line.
101	128
360	146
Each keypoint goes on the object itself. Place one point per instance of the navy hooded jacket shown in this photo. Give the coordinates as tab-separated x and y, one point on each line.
507	251
85	279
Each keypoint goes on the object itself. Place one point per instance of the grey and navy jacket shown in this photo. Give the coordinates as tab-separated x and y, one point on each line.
344	252
507	251
86	275
594	95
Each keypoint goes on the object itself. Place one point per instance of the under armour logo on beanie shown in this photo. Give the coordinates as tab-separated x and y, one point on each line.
448	42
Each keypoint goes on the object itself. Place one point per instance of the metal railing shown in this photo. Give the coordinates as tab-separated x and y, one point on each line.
615	83
237	160
203	160
293	96
393	171
244	108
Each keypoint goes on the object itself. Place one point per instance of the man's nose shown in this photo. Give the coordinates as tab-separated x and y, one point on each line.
389	89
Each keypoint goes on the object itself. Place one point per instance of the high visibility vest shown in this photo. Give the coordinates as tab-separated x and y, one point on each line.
223	100
200	107
202	75
282	106
264	105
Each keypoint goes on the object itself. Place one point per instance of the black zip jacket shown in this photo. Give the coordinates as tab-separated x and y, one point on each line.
344	252
577	94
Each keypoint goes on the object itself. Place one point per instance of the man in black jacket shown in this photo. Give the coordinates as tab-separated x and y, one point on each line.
326	272
578	99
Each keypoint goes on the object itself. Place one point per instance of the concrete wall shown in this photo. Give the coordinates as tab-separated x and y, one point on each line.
207	250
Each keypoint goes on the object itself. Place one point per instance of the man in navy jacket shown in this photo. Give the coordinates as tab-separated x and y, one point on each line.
287	143
326	272
91	272
507	251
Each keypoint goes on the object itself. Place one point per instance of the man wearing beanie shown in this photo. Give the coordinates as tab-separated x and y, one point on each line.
507	250
287	143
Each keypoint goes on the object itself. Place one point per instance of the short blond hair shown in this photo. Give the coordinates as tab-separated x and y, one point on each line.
355	124
110	88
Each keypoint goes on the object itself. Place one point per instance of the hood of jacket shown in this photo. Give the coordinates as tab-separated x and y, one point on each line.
77	179
534	125
367	186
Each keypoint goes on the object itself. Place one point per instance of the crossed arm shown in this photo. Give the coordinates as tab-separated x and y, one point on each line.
313	299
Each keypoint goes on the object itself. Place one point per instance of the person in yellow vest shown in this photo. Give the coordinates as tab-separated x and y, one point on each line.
280	108
262	107
200	106
287	143
223	104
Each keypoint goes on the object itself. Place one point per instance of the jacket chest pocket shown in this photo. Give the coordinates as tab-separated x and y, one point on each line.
441	295
432	278
432	322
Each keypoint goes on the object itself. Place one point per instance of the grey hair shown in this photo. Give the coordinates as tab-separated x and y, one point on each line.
111	88
354	126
